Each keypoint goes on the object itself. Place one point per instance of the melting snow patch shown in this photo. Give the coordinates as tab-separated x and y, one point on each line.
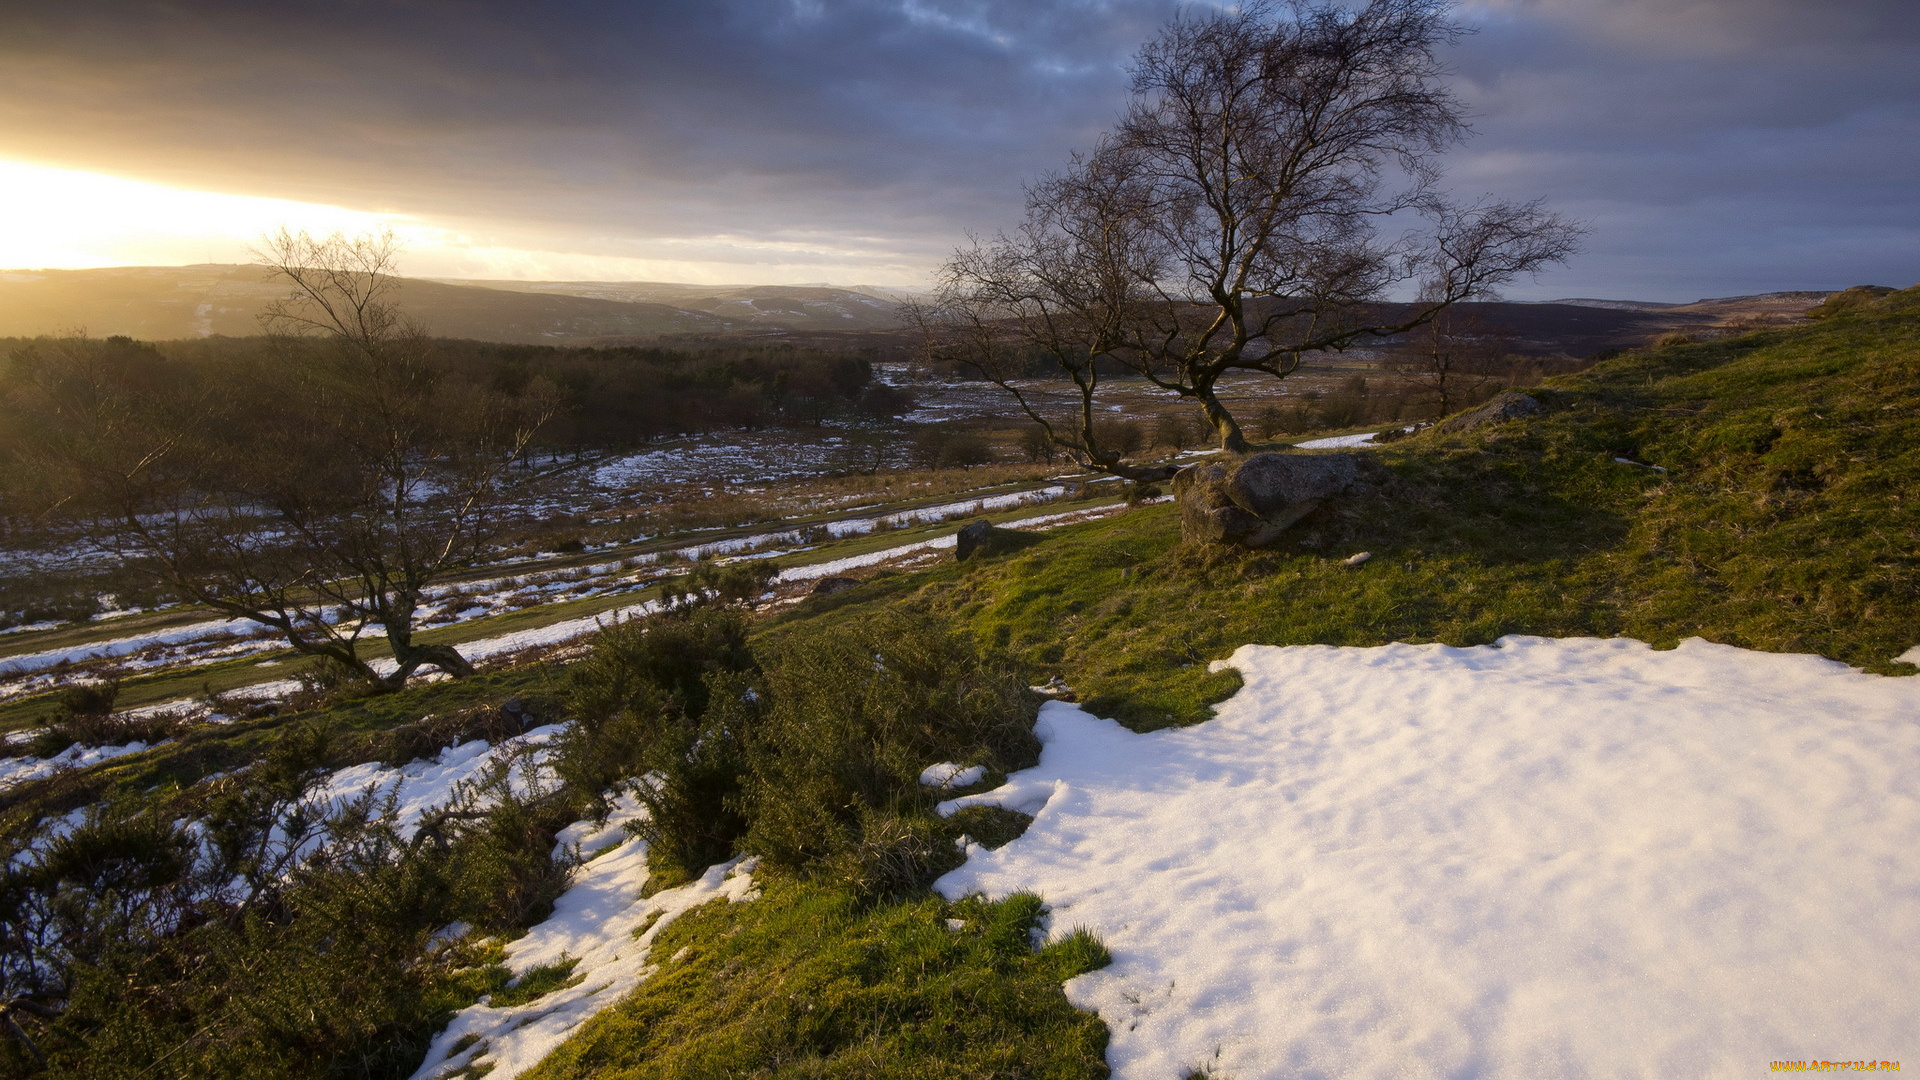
949	775
426	784
595	922
1541	858
1334	441
21	769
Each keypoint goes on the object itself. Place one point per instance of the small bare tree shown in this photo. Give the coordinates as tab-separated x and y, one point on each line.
1455	359
1231	221
318	486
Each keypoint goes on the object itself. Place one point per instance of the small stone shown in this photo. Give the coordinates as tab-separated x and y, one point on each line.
1357	559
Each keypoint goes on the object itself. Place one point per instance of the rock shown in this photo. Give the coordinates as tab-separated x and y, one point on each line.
1510	405
1250	502
1357	558
972	537
827	586
983	538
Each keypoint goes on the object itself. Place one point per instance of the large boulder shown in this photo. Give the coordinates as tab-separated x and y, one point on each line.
1510	405
1250	502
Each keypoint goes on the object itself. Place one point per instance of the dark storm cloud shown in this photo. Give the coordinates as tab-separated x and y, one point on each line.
1716	145
801	120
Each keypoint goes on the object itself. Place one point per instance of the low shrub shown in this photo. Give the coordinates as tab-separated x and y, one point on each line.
854	714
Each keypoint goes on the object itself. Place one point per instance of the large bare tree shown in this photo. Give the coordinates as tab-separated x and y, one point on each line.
317	486
1238	218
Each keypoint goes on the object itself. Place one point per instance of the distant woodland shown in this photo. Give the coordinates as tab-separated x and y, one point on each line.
604	397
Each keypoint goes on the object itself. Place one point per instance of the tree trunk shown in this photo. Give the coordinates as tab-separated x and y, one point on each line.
410	658
1232	440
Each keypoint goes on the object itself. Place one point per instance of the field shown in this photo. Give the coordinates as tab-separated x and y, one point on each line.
1754	491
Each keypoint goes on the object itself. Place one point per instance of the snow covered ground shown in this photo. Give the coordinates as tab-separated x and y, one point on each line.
1333	442
1541	858
18	770
427	784
602	922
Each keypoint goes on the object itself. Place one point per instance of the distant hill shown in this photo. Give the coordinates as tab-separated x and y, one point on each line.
167	302
805	308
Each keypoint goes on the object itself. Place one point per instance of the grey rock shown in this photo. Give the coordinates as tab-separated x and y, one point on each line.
1510	405
1250	502
972	538
827	586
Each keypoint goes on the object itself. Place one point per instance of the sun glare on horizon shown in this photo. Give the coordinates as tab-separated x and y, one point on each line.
66	219
69	219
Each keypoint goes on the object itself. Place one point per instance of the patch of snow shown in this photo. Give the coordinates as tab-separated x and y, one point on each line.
1640	464
836	566
949	775
1539	858
38	661
598	921
19	770
427	784
553	633
1333	441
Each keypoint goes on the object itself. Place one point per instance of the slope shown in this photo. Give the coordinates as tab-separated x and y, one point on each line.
158	303
1756	491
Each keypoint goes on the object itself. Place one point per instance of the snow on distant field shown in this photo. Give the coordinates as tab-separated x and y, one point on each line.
601	922
213	628
1541	858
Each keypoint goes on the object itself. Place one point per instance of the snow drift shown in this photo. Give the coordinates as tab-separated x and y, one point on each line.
1539	858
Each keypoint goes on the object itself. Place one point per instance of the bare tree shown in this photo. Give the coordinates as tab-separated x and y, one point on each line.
1455	359
318	487
1232	221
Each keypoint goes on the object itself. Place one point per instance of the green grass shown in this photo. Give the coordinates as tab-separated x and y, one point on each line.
809	982
1784	523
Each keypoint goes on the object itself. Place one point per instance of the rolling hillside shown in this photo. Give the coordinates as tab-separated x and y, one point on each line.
158	303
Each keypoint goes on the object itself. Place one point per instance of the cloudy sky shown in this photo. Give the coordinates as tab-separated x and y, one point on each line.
1716	147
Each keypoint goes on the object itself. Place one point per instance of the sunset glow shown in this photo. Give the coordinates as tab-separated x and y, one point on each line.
65	219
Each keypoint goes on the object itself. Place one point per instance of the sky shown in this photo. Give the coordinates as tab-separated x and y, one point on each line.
1714	147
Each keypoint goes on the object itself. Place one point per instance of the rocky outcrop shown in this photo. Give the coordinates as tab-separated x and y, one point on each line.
1252	501
1510	405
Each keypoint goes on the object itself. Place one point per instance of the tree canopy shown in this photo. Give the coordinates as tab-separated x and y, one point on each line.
1245	212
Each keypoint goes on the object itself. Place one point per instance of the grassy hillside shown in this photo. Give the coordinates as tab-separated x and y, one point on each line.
1765	500
1781	517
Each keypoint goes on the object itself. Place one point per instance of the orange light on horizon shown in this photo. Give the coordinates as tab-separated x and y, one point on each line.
62	219
54	218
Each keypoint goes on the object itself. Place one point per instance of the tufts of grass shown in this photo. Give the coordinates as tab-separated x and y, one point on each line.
813	981
537	983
